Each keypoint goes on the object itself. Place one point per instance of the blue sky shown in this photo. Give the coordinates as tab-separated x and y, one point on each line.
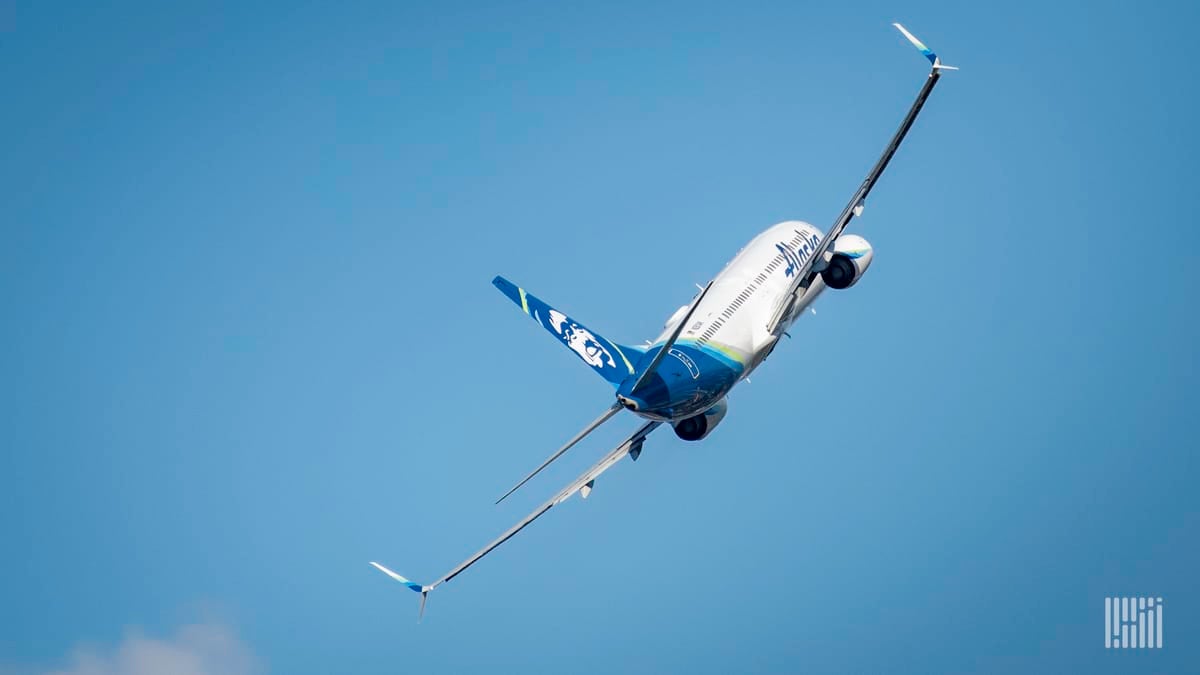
251	342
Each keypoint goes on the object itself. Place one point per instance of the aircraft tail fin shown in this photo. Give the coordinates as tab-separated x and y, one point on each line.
610	360
412	585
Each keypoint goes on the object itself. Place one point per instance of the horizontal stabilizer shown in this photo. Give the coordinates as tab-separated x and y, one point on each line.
648	371
607	415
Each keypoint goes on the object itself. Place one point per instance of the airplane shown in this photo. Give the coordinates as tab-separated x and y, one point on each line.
709	345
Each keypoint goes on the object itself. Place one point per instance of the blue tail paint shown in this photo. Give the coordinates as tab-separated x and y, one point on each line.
612	361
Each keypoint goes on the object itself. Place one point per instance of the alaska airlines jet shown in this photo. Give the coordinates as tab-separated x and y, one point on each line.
708	346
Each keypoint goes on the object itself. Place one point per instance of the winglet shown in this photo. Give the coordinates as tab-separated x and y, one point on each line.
412	586
933	58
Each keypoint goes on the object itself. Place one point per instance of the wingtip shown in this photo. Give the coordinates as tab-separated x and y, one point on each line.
412	585
926	51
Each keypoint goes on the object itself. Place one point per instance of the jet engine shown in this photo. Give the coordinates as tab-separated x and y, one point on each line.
699	426
851	257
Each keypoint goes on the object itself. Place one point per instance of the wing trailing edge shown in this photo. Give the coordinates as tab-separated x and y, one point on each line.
584	483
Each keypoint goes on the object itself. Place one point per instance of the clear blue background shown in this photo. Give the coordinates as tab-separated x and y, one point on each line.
250	341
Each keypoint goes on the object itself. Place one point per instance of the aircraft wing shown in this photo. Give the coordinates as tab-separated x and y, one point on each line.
630	446
824	250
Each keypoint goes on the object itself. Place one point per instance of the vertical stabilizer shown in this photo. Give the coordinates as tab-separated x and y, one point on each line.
610	360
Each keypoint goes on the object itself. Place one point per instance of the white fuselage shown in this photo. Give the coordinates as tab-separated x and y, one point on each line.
734	316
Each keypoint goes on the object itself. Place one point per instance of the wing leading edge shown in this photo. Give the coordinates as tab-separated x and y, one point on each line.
630	446
817	262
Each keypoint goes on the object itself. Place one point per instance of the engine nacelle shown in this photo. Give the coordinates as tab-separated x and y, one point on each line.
851	257
699	426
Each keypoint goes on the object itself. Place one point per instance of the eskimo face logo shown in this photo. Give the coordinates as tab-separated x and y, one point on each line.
581	341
